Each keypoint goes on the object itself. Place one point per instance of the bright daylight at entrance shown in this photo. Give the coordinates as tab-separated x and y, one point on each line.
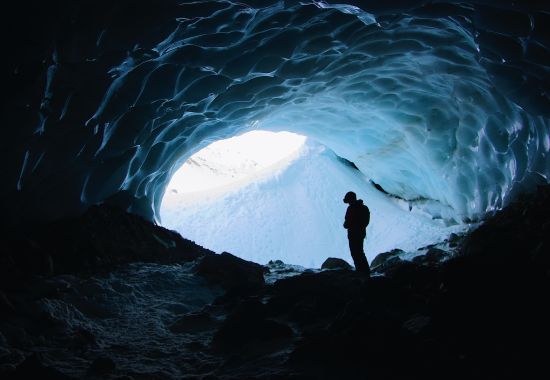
266	196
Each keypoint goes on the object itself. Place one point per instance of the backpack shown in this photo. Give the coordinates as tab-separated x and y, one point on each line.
365	215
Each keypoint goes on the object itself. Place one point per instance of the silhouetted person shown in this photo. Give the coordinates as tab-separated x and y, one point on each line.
356	221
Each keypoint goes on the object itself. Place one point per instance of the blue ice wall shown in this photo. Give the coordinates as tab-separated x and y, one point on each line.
446	102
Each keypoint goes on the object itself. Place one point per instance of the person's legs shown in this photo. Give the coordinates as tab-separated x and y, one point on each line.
357	253
365	266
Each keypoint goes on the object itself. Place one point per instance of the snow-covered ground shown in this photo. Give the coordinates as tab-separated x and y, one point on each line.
288	208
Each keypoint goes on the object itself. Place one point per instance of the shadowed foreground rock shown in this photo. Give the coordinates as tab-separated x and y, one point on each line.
230	271
33	368
481	314
104	236
385	259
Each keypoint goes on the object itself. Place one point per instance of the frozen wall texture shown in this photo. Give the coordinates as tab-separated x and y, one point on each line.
443	102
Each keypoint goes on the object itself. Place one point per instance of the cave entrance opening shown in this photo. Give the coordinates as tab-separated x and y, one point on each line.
229	164
278	196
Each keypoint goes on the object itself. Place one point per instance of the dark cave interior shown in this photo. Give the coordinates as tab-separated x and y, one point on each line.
446	102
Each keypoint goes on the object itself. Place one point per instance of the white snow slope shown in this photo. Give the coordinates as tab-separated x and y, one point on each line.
293	211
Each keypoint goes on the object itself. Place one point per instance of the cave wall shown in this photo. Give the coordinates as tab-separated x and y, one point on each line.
445	101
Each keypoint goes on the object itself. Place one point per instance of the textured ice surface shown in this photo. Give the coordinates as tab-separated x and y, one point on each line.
444	102
291	211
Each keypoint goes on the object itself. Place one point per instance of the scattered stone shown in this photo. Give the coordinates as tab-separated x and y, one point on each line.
454	240
102	366
335	263
193	322
231	272
417	324
6	307
196	346
433	256
102	237
32	368
248	323
83	338
469	312
384	258
235	333
16	336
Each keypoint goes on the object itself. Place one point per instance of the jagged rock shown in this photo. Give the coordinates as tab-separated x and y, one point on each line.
515	229
411	275
454	240
469	312
383	258
417	323
16	336
102	366
248	323
101	237
6	307
32	368
82	338
335	263
234	333
432	256
193	322
361	341
231	272
314	296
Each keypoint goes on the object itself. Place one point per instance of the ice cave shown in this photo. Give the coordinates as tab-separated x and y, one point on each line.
436	112
444	107
445	104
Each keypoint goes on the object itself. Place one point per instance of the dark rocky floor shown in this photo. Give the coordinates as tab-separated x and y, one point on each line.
484	313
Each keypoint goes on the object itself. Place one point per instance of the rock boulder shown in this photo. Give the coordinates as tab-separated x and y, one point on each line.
335	263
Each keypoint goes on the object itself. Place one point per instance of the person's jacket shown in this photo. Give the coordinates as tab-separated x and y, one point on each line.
353	220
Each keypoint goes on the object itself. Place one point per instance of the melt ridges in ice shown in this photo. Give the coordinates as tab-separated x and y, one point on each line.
407	102
407	98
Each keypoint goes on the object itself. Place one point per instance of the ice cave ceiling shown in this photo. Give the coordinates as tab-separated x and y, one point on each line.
447	101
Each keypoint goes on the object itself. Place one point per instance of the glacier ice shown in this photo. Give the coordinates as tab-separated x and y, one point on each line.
288	207
439	103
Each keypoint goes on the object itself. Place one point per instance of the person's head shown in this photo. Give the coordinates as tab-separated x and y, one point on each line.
350	197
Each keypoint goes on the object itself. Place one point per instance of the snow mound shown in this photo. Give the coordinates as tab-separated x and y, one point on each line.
293	211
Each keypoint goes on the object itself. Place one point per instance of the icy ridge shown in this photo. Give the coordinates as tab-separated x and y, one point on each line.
407	102
427	104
